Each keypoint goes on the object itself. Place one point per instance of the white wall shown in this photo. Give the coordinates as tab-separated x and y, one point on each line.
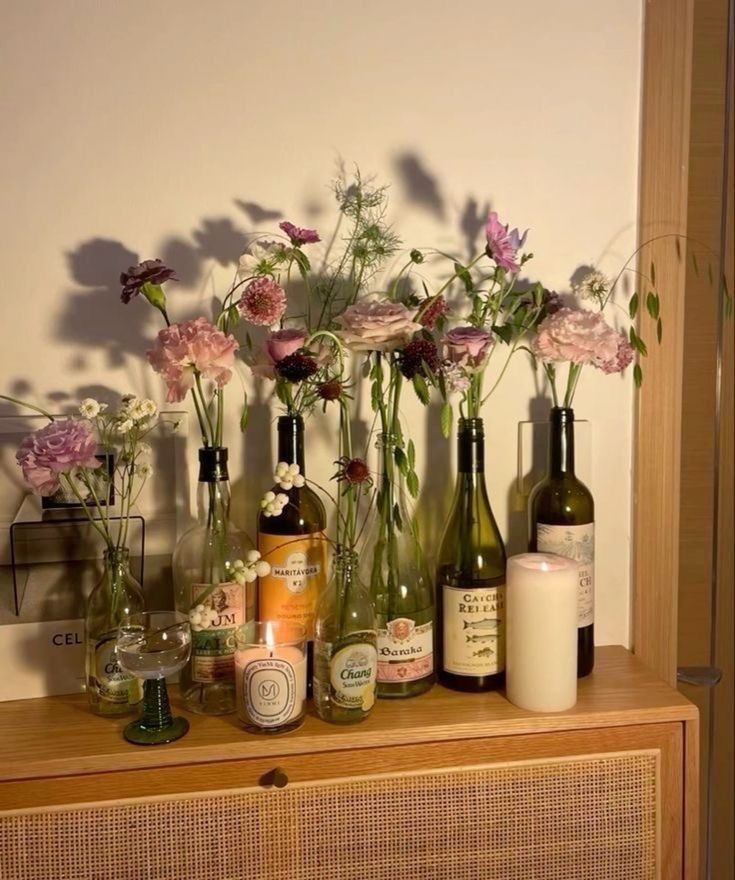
134	129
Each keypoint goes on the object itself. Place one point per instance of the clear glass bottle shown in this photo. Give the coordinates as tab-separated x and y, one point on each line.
206	590
110	689
345	646
394	568
471	576
562	520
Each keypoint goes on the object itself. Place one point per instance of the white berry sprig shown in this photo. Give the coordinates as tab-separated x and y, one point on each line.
272	504
253	567
288	476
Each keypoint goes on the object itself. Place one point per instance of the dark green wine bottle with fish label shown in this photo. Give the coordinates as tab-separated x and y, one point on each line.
471	577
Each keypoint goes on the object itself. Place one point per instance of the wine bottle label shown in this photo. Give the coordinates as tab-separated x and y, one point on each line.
577	543
352	670
214	620
474	630
297	577
269	692
405	651
113	683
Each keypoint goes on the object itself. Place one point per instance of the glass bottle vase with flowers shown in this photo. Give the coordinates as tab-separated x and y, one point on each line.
64	456
214	572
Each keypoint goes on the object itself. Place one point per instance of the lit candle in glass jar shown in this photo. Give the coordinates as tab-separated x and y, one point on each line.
270	676
541	632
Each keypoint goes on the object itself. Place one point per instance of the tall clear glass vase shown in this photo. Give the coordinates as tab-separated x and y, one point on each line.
110	689
394	568
207	591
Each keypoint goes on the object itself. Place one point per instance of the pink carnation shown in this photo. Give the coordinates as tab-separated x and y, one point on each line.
278	346
578	336
263	302
299	234
189	348
623	357
377	325
502	245
467	347
57	448
431	310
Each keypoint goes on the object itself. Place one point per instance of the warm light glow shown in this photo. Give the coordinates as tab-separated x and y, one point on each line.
546	562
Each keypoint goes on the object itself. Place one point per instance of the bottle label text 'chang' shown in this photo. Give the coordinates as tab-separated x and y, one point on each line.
474	630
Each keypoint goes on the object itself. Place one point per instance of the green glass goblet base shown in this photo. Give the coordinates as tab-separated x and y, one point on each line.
156	725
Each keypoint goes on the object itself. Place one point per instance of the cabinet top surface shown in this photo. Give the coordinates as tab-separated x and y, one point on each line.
58	736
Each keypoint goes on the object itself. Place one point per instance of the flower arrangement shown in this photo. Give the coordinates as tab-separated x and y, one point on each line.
63	455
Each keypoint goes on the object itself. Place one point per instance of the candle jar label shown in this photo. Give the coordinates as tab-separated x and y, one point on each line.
405	651
214	620
474	630
296	579
352	671
269	691
113	684
577	543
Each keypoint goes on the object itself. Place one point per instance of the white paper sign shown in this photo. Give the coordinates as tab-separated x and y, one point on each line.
41	659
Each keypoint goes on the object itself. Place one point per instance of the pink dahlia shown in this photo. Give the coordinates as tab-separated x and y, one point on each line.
578	336
263	302
299	234
57	448
503	245
431	310
467	346
192	348
623	357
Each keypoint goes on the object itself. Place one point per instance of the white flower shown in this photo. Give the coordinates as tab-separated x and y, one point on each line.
288	476
262	258
144	470
272	504
124	426
142	409
594	286
91	408
144	448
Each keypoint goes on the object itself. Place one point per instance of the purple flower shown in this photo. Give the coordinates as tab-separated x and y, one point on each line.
57	448
299	234
147	272
502	245
469	347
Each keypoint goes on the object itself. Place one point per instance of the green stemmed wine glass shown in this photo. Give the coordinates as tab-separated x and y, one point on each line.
152	645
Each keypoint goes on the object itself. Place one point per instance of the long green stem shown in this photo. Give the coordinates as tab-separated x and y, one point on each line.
37	409
85	508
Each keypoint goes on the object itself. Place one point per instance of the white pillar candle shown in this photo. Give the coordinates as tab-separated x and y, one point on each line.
541	632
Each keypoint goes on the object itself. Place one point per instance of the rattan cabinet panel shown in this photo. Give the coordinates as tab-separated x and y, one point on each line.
588	816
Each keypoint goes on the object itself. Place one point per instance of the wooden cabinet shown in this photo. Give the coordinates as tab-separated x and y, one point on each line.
446	785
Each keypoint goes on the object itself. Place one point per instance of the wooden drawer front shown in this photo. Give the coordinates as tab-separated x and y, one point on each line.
562	818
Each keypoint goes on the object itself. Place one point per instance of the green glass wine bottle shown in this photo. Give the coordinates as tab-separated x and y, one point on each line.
471	577
562	520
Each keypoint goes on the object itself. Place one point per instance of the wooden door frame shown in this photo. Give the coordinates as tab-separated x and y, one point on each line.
664	158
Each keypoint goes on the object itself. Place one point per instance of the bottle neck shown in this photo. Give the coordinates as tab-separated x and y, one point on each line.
291	440
213	493
471	448
561	441
117	561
